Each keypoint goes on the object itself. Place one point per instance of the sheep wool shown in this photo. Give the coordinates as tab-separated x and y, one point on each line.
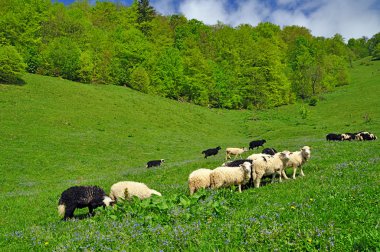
269	166
128	189
227	176
81	197
199	179
297	159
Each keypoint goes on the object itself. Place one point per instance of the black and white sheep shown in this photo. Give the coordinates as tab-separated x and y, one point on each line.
236	163
269	151
154	163
227	176
81	197
211	151
365	136
256	144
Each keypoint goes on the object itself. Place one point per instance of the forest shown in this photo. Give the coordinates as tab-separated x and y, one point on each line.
217	66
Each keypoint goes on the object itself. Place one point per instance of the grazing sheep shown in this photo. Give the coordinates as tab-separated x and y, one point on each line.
211	152
363	135
227	176
81	197
263	167
256	144
348	136
235	151
154	163
334	137
128	189
269	151
199	179
297	159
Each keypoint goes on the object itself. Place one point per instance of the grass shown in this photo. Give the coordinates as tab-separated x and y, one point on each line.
56	134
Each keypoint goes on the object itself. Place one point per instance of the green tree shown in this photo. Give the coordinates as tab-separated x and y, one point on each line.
12	65
146	13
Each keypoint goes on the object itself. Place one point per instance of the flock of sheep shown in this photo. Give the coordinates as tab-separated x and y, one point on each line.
359	136
239	172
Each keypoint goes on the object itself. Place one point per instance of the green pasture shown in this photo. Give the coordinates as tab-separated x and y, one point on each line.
56	133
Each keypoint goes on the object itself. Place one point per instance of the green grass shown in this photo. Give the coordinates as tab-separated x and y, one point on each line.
56	134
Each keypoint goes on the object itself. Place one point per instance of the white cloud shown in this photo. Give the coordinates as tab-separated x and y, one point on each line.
350	18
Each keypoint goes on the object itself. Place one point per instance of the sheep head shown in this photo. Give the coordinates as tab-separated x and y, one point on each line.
306	151
107	201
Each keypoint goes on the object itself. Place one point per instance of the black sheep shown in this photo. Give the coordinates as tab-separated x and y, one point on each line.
256	144
237	162
81	197
211	152
269	151
334	137
154	163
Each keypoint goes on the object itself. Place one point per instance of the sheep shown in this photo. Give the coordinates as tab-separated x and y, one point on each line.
154	163
81	197
227	176
365	136
199	179
272	166
127	189
235	151
211	152
334	137
297	159
256	144
236	163
263	156
269	151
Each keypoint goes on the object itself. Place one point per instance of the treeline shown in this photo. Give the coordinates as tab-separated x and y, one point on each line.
134	46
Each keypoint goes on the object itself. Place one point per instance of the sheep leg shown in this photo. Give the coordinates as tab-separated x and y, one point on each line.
257	182
279	173
239	188
294	172
273	177
69	213
284	174
91	210
302	174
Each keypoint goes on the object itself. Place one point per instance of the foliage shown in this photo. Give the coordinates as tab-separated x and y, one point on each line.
11	64
219	66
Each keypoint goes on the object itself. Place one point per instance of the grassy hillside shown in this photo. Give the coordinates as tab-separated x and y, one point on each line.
56	134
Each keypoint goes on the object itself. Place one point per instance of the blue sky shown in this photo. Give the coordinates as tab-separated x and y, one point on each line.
350	18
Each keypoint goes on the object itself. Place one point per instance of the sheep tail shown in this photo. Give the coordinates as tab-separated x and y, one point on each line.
155	192
61	210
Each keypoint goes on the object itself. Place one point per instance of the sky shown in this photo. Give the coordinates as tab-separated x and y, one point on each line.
349	18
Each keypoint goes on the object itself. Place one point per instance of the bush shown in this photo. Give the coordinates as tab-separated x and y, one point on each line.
313	101
12	65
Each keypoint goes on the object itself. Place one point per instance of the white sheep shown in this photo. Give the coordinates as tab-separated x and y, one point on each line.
297	159
235	151
227	176
269	166
128	189
259	156
199	179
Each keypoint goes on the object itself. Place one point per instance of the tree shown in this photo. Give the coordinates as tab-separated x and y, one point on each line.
12	65
145	15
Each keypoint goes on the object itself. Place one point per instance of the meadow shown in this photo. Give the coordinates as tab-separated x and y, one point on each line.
57	133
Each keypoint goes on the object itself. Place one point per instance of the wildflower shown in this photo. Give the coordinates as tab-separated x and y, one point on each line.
46	243
293	207
309	240
311	199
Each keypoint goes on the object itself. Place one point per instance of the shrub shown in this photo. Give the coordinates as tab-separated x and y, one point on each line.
11	64
313	101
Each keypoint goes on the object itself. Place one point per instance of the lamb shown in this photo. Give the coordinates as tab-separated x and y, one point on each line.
271	166
211	152
128	189
227	176
235	151
81	197
297	159
257	143
269	151
154	163
199	179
